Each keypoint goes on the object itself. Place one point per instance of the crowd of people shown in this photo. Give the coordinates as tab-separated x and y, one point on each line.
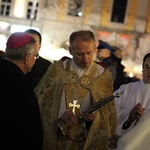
44	106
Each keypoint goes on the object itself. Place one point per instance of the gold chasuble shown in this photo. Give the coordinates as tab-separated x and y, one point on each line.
49	92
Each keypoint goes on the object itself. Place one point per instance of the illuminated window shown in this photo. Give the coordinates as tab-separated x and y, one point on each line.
32	10
75	8
119	11
5	7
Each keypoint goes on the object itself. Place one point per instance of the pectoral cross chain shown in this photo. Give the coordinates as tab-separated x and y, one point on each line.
74	105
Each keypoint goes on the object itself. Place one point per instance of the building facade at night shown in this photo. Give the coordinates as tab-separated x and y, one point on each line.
123	23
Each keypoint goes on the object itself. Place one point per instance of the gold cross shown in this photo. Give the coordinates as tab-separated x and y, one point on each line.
74	105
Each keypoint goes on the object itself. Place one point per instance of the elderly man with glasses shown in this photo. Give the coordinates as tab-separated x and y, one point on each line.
20	126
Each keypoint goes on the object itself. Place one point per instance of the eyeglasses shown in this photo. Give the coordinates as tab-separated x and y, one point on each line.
35	56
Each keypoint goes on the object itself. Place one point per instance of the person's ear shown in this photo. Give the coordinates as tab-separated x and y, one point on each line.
25	64
70	50
39	46
95	49
26	59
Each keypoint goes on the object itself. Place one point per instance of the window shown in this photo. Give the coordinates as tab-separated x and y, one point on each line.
75	7
119	11
32	10
5	7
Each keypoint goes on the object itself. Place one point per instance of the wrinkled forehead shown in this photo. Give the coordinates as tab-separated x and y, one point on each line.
79	41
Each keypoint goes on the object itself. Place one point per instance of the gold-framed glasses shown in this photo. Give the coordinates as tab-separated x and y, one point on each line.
35	56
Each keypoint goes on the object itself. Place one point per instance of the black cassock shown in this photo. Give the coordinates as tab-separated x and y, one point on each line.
20	123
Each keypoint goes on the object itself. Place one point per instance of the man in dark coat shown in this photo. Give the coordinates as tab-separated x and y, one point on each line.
41	65
120	74
20	122
104	55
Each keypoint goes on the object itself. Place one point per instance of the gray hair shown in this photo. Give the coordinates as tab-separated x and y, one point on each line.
19	53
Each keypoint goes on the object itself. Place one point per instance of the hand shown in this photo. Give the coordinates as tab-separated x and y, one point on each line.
88	116
69	118
136	112
113	141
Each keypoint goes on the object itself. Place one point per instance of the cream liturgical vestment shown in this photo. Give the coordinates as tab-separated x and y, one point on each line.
134	93
62	85
138	137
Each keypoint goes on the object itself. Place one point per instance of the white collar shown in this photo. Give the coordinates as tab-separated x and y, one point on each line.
78	70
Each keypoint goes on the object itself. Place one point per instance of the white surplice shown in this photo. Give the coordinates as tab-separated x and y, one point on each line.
138	137
134	93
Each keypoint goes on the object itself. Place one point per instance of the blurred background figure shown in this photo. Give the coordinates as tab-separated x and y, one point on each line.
2	54
120	74
104	55
118	52
41	65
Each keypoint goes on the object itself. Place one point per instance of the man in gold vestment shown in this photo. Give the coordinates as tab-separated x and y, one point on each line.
67	90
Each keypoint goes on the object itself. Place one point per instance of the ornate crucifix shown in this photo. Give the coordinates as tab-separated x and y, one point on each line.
74	105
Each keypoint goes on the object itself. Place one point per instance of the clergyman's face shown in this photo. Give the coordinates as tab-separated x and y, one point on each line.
146	71
83	53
